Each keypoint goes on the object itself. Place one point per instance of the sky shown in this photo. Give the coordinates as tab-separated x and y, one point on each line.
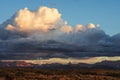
68	28
103	12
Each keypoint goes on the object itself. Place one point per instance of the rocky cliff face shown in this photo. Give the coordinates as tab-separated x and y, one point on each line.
15	64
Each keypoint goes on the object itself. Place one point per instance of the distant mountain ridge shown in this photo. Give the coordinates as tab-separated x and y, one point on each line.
16	64
100	65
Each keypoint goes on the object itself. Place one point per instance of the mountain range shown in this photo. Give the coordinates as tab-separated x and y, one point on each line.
100	65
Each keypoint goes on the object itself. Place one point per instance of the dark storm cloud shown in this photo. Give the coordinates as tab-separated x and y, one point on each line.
50	36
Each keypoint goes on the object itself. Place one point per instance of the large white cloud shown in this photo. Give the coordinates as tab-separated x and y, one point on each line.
42	20
45	24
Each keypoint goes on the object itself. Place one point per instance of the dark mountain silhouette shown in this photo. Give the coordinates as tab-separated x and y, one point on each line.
100	65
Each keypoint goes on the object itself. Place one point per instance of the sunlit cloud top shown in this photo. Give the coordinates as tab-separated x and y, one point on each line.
45	29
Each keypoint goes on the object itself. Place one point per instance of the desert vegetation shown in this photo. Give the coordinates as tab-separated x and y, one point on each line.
58	74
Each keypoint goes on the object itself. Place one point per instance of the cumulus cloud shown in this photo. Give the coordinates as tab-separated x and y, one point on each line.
79	27
10	27
66	29
44	29
43	19
91	25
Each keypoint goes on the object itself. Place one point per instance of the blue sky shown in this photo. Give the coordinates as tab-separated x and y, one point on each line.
103	12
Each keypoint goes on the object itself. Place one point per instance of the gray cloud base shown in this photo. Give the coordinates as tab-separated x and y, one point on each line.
58	41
